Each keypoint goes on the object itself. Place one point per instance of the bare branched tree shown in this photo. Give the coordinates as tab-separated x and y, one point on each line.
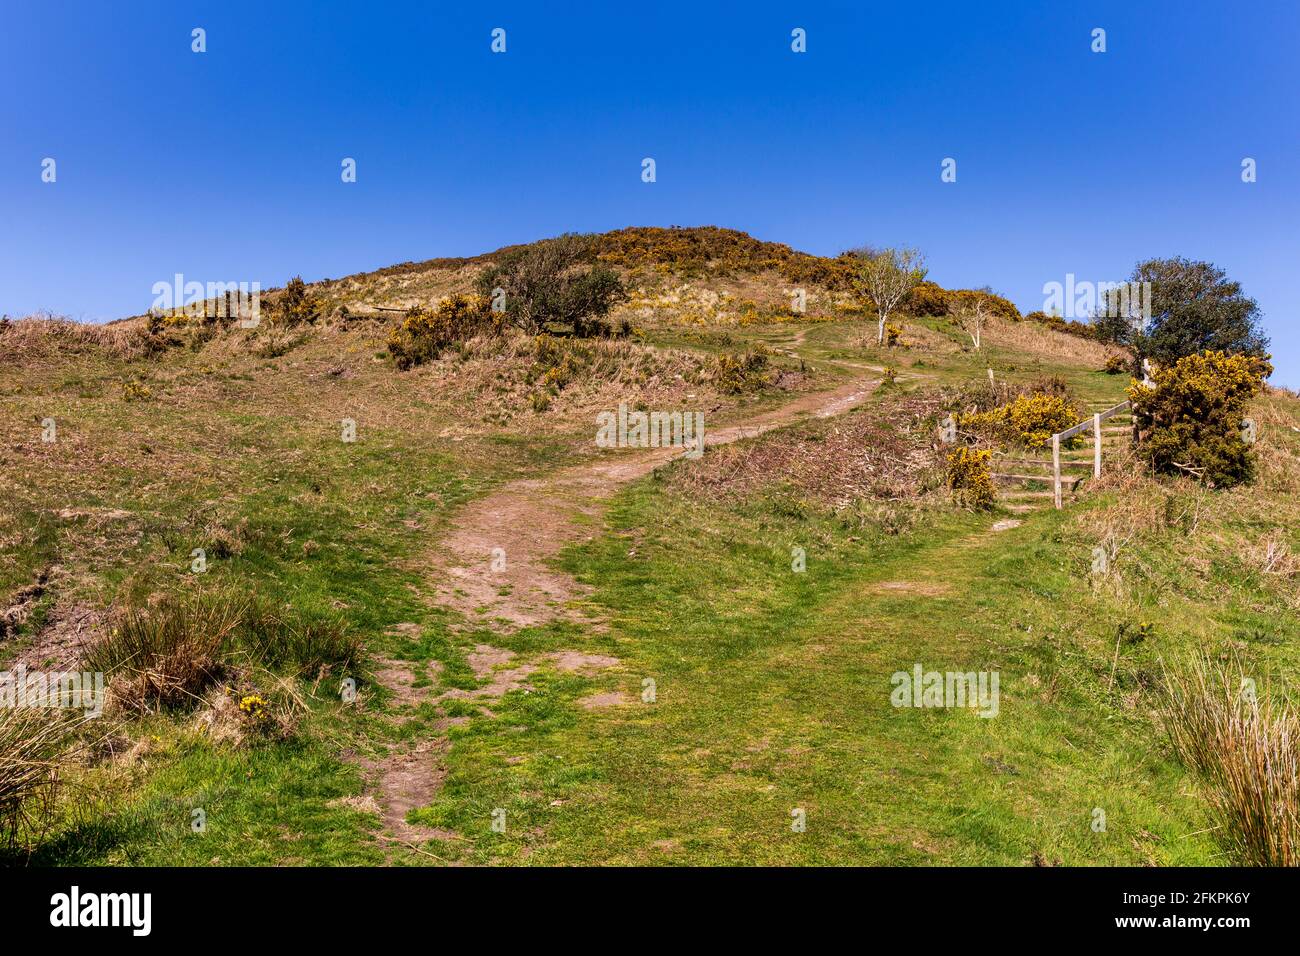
970	313
886	276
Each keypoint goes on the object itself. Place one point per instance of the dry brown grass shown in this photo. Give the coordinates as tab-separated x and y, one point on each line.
32	744
40	336
1247	754
1048	343
1253	523
563	381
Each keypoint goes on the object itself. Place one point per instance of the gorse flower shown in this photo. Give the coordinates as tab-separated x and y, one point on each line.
968	477
255	706
1028	420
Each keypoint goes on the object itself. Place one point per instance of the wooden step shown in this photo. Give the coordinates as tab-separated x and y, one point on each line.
1046	462
1070	480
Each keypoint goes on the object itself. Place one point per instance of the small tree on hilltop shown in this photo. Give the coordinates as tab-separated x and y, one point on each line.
886	276
546	288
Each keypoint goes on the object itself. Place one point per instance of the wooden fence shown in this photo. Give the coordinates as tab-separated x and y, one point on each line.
1093	423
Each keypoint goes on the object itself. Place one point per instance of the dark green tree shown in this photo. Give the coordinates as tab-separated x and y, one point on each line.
1195	308
554	285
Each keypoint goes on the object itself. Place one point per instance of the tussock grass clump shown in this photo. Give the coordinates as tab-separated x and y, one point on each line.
1246	752
300	645
168	655
165	656
273	340
32	742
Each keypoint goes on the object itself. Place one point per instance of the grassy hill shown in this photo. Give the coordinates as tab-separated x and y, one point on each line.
641	675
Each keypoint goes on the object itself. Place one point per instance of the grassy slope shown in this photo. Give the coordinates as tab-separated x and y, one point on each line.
772	686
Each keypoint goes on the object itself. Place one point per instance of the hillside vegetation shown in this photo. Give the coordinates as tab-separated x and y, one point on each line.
279	547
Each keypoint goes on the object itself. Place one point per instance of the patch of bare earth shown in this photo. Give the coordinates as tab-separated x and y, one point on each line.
410	775
406	780
611	698
20	605
923	588
67	631
531	520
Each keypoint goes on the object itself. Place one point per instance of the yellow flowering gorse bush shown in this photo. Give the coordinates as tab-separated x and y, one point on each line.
1028	420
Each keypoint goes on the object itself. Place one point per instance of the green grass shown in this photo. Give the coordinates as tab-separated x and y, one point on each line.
773	694
772	687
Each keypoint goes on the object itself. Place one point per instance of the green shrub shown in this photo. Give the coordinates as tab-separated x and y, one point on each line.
1189	419
546	288
1115	365
1083	330
167	655
927	298
930	298
295	305
135	390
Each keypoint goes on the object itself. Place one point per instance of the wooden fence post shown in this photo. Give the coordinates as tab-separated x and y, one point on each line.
1096	446
1056	469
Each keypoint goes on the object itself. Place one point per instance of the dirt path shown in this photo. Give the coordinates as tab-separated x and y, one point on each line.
495	561
529	521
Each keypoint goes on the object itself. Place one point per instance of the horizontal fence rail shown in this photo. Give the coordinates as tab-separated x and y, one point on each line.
1094	424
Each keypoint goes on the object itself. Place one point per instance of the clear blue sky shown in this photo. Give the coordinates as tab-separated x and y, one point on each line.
225	165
